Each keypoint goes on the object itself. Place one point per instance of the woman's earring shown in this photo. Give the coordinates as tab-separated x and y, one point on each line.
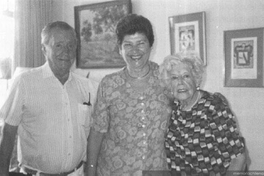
198	88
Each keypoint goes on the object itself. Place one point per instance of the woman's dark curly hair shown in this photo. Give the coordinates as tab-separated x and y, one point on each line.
131	24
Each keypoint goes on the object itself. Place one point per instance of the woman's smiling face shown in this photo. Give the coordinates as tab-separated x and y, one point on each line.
183	82
135	49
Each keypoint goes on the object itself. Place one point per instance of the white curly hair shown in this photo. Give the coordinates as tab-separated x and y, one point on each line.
189	58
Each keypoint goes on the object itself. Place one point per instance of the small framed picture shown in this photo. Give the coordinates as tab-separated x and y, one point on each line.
187	33
244	57
95	26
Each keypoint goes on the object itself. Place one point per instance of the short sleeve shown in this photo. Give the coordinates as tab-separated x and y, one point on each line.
100	116
224	128
12	109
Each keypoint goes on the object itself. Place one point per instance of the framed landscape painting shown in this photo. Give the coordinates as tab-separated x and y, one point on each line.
187	33
95	26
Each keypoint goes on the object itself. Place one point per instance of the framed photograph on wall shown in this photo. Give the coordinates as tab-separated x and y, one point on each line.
244	57
187	33
95	27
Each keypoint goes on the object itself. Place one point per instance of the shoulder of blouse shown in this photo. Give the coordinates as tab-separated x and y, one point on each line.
153	65
111	75
222	97
216	97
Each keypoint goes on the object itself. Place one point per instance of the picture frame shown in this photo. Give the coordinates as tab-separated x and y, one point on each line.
187	33
243	50
95	28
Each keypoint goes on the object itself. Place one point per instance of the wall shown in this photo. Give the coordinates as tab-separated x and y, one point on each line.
221	15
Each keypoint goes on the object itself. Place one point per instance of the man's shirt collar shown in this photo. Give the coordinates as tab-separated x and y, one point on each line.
47	72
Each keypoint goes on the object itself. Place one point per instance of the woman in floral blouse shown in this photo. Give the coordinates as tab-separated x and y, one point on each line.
131	112
202	136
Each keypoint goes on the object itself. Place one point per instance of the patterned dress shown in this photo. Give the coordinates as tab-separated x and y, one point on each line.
133	114
202	141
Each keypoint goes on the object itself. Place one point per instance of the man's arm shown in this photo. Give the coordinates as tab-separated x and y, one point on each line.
6	147
93	148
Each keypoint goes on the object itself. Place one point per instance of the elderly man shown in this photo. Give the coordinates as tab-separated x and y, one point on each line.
49	108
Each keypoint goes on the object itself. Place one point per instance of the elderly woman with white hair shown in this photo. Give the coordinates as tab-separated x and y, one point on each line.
202	136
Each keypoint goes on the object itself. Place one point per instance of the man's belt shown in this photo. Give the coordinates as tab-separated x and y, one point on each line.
34	172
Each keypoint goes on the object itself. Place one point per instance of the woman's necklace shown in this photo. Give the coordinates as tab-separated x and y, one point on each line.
139	77
141	83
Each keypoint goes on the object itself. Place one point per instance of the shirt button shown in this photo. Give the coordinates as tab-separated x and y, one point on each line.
143	126
142	104
143	157
144	134
141	98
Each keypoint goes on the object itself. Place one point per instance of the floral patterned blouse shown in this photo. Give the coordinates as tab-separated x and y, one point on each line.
134	120
204	140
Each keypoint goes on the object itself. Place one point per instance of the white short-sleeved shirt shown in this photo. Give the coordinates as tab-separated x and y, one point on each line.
53	122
